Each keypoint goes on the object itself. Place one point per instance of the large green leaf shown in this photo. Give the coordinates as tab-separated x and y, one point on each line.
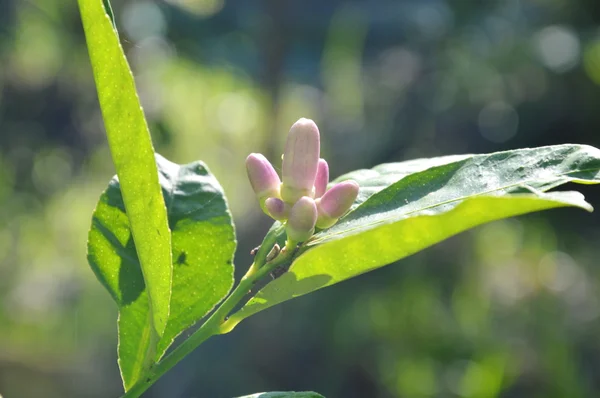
133	156
405	207
203	246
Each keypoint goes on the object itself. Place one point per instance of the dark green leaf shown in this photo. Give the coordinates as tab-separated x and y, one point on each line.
406	207
203	246
109	12
133	157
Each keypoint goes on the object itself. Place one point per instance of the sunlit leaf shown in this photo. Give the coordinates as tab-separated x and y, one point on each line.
406	207
133	157
203	240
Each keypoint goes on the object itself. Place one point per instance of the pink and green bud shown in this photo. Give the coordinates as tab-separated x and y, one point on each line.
304	177
300	161
263	177
322	178
336	202
301	223
277	208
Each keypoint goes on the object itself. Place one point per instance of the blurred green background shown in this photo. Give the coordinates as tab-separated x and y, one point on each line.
510	309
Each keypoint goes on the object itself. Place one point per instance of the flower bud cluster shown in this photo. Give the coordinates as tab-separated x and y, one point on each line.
300	199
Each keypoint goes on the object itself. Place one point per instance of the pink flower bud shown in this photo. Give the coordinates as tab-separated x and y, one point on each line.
336	202
263	177
300	161
322	178
303	216
277	208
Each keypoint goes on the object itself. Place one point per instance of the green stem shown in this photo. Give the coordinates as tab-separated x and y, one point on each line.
268	242
216	323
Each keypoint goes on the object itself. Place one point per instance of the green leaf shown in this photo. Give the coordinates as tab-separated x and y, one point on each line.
203	239
133	157
109	12
281	394
406	207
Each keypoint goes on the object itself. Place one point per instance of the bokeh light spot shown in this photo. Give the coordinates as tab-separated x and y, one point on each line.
558	48
201	8
433	19
142	20
38	56
498	122
236	113
558	271
52	169
417	378
399	68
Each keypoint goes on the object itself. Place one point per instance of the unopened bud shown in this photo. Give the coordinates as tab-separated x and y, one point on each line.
322	178
300	161
263	177
301	223
277	208
335	202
